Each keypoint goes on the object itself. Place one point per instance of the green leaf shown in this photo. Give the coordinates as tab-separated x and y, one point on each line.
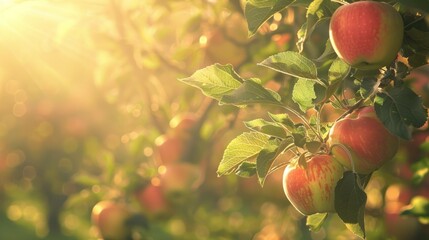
263	3
419	207
251	92
314	7
315	221
243	147
267	156
299	134
420	170
215	81
266	127
350	200
327	53
337	72
313	15
357	229
246	169
283	119
304	94
399	108
367	85
293	64
313	146
86	180
258	14
419	4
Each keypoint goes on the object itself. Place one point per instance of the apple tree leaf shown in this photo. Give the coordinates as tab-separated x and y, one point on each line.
215	81
419	207
313	14
420	170
315	221
283	119
304	94
243	147
418	4
399	108
337	72
293	64
251	92
258	12
270	128
267	156
246	169
350	200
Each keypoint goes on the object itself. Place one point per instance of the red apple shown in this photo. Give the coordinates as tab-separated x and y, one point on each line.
366	34
169	148
180	177
183	123
152	199
369	143
312	189
110	219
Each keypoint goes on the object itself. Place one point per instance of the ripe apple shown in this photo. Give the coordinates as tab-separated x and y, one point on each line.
369	143
312	189
110	219
180	177
169	148
152	199
366	34
183	123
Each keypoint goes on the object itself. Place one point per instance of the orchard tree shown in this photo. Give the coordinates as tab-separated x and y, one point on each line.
351	56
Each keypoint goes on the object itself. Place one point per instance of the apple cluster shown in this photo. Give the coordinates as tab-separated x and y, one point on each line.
359	142
366	35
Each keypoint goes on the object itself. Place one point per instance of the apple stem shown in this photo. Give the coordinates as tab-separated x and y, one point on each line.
347	152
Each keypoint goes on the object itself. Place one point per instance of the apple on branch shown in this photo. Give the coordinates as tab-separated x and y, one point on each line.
368	142
366	34
311	188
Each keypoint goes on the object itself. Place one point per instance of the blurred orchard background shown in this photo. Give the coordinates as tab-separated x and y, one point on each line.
91	110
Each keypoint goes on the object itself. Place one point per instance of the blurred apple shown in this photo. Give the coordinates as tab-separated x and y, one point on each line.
110	219
183	123
152	199
169	149
180	177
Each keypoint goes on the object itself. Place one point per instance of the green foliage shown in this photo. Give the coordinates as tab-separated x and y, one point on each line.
399	108
350	200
